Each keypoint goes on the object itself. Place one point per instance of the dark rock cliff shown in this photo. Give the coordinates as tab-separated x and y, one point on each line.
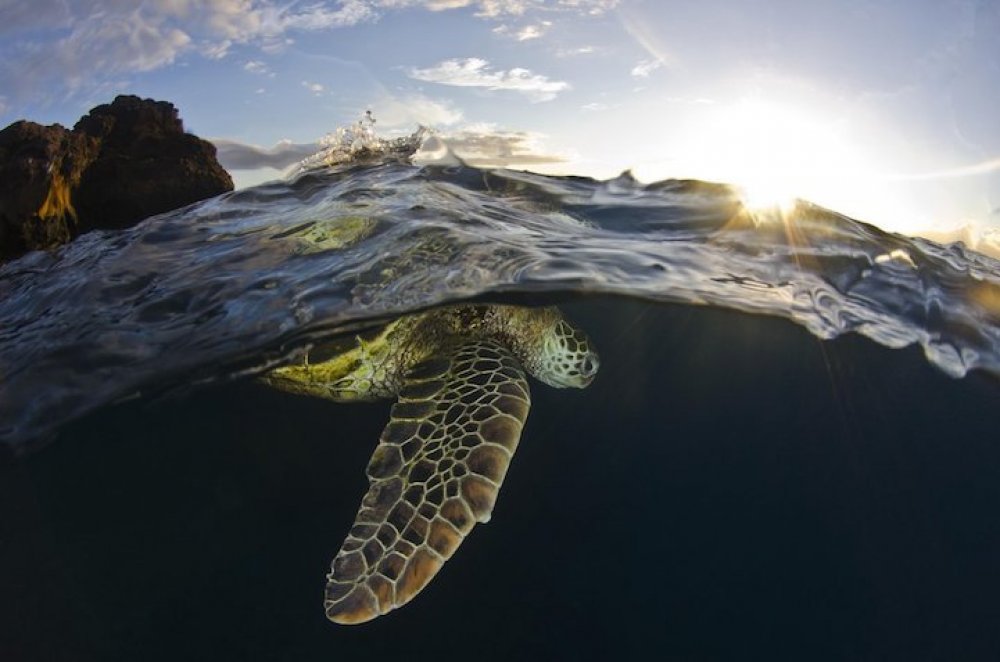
40	167
121	163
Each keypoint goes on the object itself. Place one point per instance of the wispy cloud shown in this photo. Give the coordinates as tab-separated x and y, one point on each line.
433	5
497	8
256	67
234	155
639	29
644	68
502	8
75	46
486	146
52	49
987	167
591	7
315	88
320	17
405	111
524	33
110	43
40	14
575	52
217	50
476	72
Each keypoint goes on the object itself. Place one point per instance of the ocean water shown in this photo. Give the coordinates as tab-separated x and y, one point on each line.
789	452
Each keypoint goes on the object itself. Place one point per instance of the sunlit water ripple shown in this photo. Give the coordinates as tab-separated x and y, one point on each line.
242	282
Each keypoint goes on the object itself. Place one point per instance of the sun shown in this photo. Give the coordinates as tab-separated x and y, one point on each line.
775	153
767	194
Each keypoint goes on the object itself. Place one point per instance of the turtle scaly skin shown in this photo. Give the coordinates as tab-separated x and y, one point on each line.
548	347
462	398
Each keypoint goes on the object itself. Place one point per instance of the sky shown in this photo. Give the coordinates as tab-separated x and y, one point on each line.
884	110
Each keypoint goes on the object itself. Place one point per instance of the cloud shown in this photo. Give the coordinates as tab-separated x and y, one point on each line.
17	16
315	88
485	146
497	8
234	155
405	4
110	42
690	101
982	168
432	5
74	47
320	17
476	72
441	5
644	68
493	9
55	49
486	8
216	51
592	7
644	34
256	67
531	31
414	109
574	52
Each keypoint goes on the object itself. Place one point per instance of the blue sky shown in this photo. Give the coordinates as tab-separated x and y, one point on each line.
882	109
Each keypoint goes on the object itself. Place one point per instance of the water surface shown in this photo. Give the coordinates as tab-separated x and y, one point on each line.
236	284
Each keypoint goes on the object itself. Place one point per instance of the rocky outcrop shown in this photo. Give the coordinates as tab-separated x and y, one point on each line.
40	167
121	163
147	164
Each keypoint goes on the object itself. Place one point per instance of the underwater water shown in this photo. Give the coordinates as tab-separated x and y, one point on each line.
775	460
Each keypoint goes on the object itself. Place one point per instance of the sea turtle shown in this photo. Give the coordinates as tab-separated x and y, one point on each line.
458	373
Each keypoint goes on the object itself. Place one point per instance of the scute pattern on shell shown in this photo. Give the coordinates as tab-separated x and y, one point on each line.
436	472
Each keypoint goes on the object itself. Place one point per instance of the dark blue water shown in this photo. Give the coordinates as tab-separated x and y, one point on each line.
753	474
729	488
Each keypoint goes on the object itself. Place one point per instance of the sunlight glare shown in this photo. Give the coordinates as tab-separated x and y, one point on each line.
767	195
777	153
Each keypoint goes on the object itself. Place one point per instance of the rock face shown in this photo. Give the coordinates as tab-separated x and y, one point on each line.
146	165
121	163
40	166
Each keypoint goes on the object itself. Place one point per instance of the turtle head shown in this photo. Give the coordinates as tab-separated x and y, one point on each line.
560	354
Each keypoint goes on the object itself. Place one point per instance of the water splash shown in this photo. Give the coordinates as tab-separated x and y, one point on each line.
359	142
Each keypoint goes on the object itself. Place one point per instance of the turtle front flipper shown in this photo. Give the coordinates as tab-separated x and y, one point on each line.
435	473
